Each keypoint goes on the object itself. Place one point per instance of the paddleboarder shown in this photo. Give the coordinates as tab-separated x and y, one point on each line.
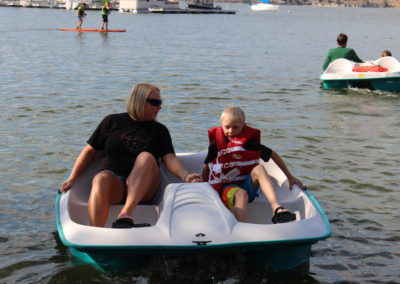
80	14
105	11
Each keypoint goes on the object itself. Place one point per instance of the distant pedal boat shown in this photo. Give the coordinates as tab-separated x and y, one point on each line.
191	219
264	5
382	74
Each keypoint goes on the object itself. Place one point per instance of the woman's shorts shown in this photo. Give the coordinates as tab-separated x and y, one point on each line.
105	18
155	200
80	18
229	190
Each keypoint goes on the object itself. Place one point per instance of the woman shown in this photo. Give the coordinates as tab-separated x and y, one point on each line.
132	143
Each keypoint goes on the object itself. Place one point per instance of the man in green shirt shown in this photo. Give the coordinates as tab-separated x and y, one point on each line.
341	52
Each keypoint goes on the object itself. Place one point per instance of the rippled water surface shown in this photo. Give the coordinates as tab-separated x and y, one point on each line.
56	86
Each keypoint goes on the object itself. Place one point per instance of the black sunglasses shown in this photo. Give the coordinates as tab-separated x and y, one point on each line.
154	102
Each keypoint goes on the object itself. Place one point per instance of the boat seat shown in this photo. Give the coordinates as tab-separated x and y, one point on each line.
78	201
143	213
340	65
389	62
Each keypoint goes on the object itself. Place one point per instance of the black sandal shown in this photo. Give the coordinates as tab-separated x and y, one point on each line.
123	223
283	217
127	223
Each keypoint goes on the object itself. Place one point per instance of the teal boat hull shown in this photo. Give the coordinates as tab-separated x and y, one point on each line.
267	257
275	258
389	84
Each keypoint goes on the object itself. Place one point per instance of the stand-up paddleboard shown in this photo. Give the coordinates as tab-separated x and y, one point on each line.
93	30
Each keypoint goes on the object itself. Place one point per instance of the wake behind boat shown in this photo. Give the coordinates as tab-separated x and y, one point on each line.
381	74
93	30
191	218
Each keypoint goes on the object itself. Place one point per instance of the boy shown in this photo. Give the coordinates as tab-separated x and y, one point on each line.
233	161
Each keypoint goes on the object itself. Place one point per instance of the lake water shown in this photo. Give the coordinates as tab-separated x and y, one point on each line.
56	86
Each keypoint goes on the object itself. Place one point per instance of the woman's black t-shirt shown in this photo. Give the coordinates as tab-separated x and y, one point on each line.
122	139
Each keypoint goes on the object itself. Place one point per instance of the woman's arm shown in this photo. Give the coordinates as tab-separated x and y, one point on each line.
281	164
85	157
175	166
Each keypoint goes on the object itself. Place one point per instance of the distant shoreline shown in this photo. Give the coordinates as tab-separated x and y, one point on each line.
43	4
330	3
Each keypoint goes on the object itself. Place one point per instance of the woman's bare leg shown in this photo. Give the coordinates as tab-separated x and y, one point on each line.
106	189
142	182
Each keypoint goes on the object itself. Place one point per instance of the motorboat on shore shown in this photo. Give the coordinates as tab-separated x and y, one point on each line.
264	5
190	218
381	74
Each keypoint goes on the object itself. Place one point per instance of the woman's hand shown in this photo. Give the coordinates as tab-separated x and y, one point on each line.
192	177
66	185
175	166
85	157
293	180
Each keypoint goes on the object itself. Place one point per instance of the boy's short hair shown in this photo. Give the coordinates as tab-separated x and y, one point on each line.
386	53
234	113
341	39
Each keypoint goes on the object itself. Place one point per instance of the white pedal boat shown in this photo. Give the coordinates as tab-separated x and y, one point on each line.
340	74
192	219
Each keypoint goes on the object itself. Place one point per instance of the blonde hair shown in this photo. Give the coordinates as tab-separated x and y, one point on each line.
233	113
137	99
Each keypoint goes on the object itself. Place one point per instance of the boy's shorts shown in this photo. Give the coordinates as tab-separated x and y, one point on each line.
229	190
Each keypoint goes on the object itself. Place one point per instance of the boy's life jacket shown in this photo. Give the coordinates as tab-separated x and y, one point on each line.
233	162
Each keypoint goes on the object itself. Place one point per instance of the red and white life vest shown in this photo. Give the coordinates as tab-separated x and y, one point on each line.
233	162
